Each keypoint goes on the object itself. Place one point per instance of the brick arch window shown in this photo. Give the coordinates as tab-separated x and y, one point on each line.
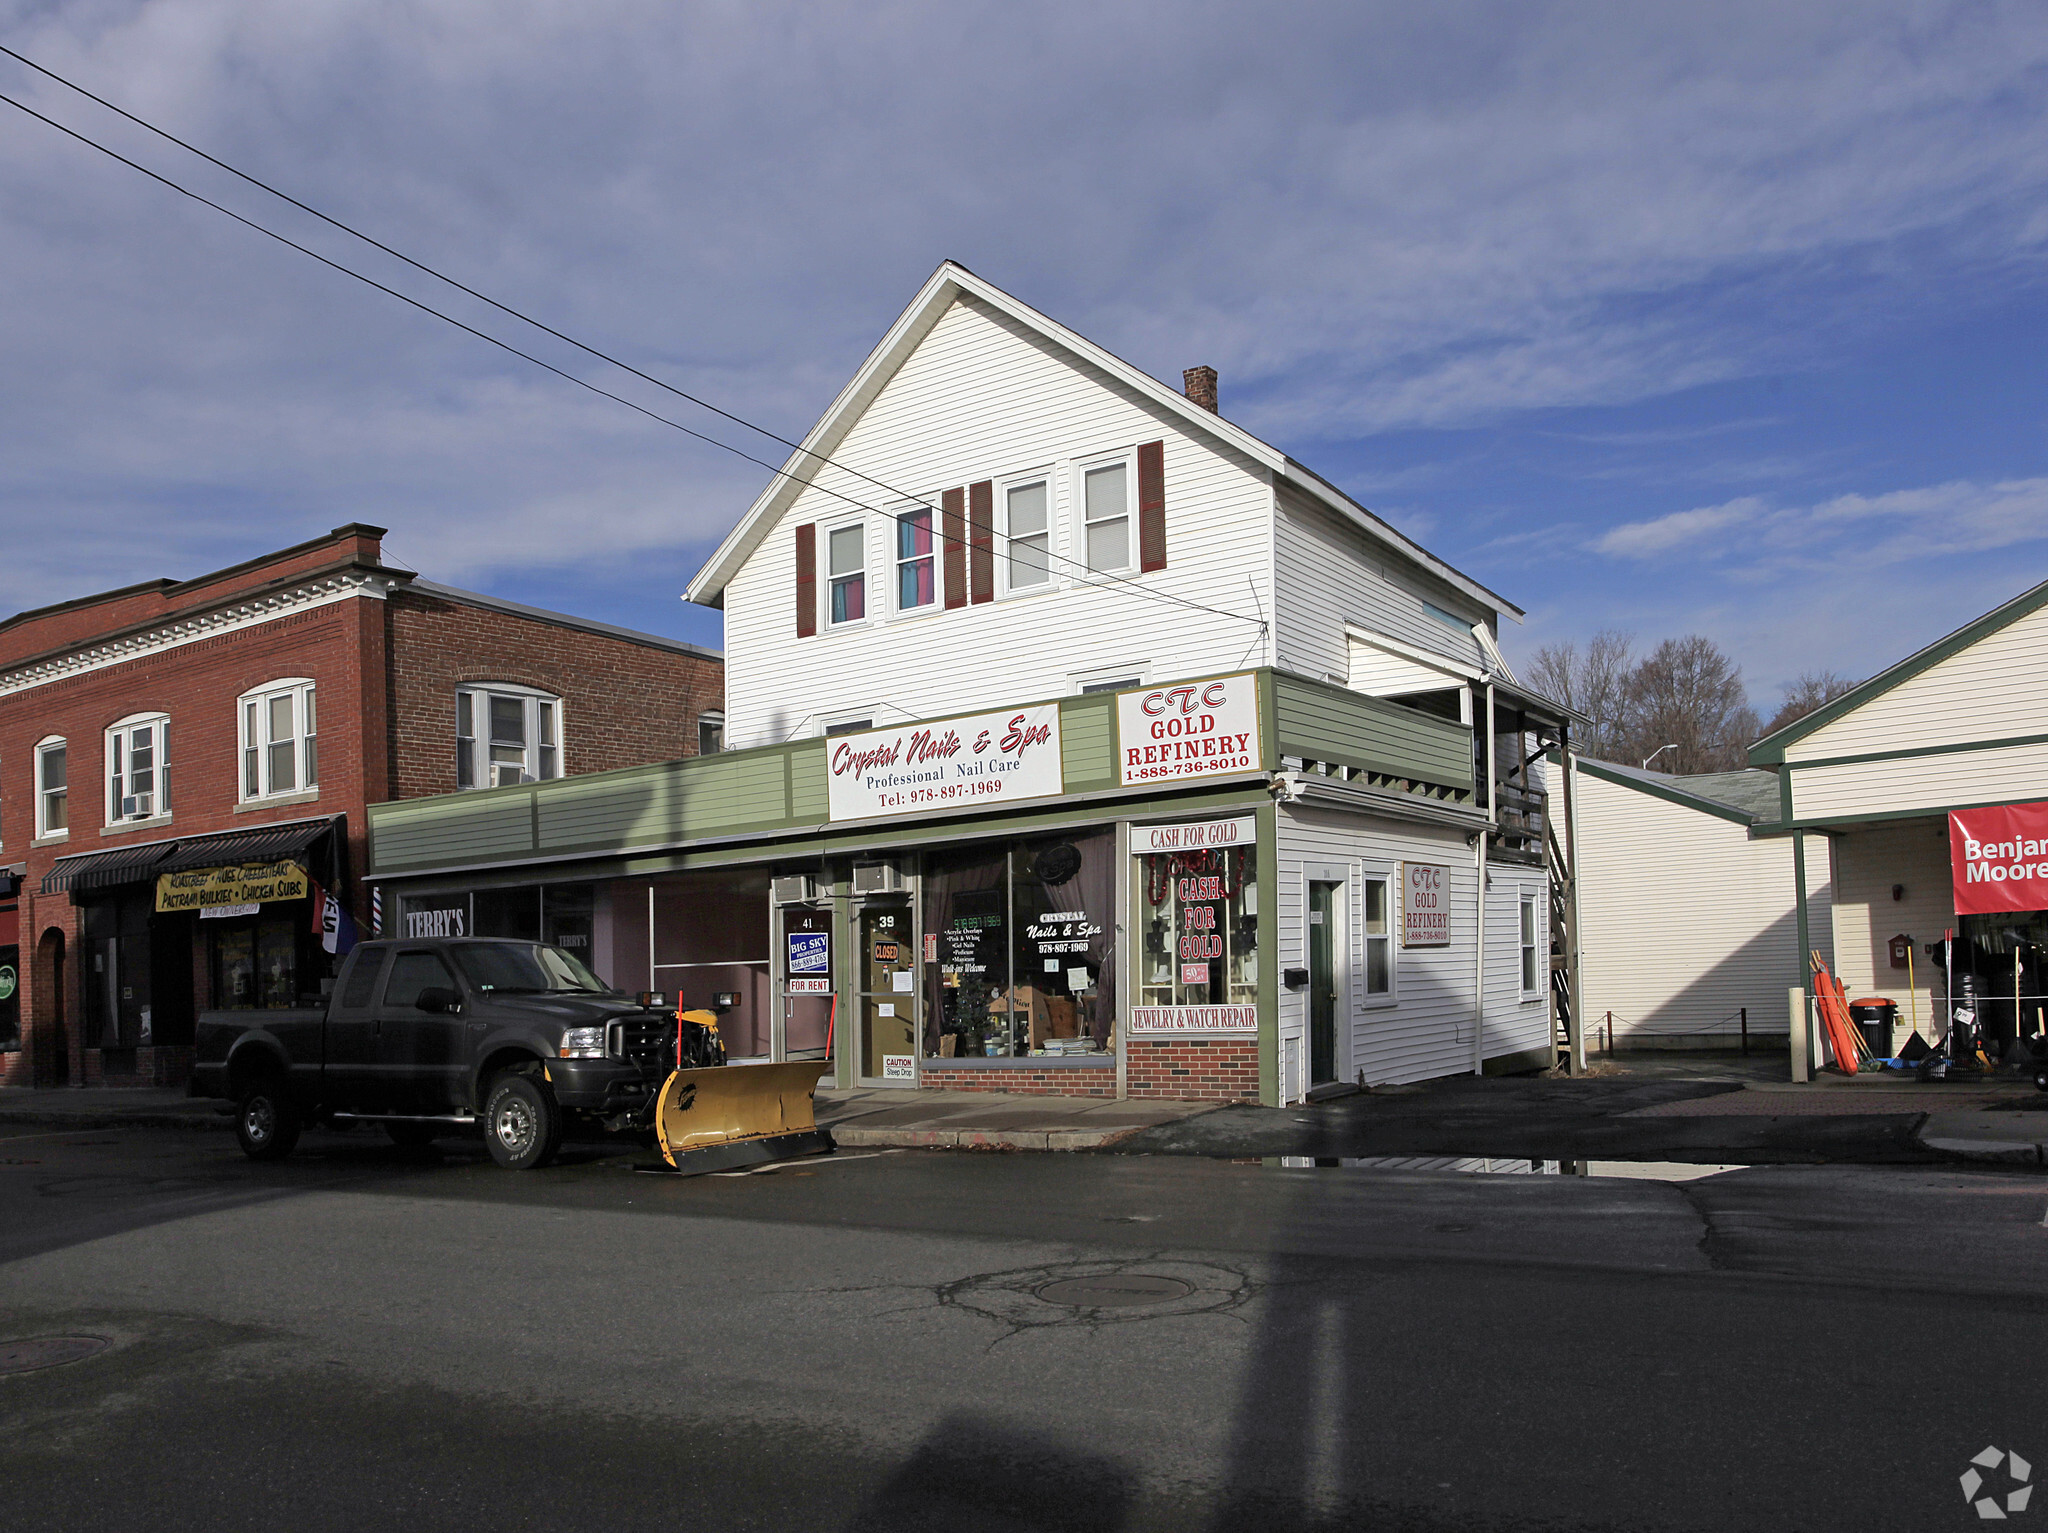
506	733
280	733
138	768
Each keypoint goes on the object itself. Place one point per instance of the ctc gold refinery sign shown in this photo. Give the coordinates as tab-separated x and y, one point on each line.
1195	729
248	883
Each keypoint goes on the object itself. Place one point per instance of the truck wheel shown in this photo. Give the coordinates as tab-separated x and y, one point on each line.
266	1123
413	1136
522	1124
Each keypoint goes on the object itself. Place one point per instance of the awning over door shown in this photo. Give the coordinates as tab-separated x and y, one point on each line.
137	864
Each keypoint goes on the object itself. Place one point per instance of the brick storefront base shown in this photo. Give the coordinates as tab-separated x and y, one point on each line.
1091	1082
1195	1069
170	1065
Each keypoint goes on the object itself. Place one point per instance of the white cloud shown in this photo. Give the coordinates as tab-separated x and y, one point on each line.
1846	532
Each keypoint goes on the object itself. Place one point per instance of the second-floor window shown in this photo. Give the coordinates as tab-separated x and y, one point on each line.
280	739
506	734
916	569
1106	509
846	568
138	771
53	816
710	733
1027	532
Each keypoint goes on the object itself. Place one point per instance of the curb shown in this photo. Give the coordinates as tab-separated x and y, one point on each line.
2001	1152
974	1139
31	1117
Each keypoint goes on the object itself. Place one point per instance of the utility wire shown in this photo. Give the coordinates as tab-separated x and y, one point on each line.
439	276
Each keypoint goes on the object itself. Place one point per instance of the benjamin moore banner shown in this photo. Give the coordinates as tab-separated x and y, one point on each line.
248	883
1999	858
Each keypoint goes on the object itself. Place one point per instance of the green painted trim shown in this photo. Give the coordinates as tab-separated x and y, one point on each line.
1805	936
1953	748
1836	822
1770	750
1269	948
1784	798
1676	796
1269	720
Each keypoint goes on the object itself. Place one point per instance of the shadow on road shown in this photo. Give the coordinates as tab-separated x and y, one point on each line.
973	1472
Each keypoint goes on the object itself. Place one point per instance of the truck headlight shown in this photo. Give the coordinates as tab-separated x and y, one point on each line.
583	1043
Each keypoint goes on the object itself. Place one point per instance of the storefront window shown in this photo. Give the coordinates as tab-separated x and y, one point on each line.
1019	948
1200	939
10	998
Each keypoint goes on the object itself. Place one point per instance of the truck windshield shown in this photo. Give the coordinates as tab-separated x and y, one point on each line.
524	968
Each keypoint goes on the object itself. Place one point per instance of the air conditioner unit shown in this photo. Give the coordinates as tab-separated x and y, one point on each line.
877	878
795	889
504	775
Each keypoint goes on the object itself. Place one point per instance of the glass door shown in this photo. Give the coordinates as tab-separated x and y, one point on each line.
1325	910
886	967
804	943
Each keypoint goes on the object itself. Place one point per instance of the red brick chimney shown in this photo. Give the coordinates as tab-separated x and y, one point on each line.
1199	384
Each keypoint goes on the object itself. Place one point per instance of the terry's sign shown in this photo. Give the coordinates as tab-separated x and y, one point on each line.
1192	729
1998	858
1425	905
991	758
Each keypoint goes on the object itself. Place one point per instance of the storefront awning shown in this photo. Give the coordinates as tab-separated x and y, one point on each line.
136	864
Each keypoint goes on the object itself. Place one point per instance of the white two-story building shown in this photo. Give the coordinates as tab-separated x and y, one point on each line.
1078	740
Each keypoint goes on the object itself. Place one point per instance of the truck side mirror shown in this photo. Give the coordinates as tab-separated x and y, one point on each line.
438	998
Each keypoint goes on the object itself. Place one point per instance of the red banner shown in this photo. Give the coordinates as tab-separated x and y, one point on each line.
1999	858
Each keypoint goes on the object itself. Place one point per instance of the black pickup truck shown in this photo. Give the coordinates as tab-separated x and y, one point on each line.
430	1037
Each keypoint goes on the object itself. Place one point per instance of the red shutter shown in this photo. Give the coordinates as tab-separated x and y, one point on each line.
953	529
806	580
1152	506
981	519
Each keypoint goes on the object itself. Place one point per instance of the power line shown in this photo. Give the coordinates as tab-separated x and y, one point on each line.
1095	576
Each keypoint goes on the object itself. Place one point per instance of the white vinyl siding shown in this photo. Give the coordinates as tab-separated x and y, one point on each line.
2013	774
1428	1030
1985	692
1329	574
978	399
1913	857
1683	918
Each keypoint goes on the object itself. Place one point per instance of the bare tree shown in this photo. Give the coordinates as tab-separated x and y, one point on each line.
1594	683
1813	689
1688	694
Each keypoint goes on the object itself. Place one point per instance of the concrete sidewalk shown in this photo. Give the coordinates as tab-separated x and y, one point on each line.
875	1116
865	1118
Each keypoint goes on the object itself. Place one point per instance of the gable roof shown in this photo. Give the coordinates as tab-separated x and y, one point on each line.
1742	798
949	283
1770	750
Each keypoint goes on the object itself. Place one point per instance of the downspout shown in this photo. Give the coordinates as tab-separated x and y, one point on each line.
1571	952
1479	914
1802	1045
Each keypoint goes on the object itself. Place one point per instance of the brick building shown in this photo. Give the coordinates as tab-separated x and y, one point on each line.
185	765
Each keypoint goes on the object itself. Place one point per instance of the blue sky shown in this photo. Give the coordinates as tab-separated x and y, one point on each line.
1723	319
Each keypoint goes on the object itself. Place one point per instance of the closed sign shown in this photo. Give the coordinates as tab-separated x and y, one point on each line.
1425	905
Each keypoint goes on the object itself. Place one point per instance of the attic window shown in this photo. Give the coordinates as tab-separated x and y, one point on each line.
1448	619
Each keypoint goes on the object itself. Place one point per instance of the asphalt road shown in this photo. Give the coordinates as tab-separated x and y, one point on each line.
364	1338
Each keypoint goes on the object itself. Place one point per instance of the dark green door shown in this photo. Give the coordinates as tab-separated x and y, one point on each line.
1325	908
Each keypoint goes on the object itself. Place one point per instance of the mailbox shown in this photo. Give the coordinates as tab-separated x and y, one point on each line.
1902	951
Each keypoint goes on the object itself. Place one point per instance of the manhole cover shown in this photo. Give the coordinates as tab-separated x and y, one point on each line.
46	1352
1114	1288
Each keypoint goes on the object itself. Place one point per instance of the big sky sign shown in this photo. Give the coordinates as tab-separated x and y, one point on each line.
1192	729
1999	858
989	758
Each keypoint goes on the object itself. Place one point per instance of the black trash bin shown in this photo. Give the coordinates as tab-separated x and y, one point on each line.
1876	1016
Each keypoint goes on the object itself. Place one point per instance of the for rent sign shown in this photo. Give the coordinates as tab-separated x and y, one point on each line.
1998	858
991	758
1192	729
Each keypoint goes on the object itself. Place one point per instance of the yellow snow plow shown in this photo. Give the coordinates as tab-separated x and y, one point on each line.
727	1116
